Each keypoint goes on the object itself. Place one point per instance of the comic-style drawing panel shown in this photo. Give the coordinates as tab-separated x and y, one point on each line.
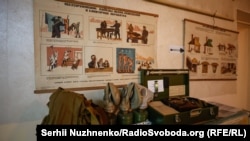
98	59
105	29
61	60
145	60
228	68
140	33
125	60
61	25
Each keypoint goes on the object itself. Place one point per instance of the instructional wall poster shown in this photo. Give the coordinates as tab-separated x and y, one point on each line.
85	46
210	52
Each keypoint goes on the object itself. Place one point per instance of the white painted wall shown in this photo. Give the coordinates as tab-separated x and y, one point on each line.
21	109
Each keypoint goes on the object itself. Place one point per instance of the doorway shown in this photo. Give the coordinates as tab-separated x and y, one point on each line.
244	63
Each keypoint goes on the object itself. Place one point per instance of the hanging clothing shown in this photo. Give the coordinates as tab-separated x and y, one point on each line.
70	108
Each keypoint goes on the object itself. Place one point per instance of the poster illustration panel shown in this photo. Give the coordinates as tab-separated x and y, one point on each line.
125	60
61	25
105	29
98	59
61	59
79	45
140	33
210	52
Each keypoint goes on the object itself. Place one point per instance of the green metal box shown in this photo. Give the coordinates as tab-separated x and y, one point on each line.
171	88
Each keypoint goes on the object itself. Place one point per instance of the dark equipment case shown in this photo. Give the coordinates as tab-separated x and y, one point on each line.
172	104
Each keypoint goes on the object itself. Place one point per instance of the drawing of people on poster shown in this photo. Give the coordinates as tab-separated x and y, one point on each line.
144	37
53	57
98	59
125	60
60	25
105	29
139	33
116	33
61	60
